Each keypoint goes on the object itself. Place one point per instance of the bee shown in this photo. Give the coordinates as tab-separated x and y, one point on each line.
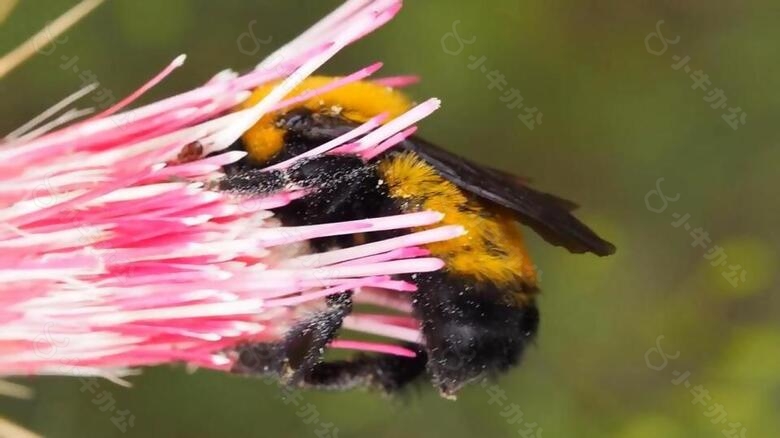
477	315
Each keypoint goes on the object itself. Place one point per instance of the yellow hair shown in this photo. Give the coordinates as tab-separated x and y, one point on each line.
492	248
357	101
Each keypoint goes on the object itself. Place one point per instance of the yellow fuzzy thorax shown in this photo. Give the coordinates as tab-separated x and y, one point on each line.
357	101
492	248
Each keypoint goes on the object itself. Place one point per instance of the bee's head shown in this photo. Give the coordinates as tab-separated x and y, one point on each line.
310	122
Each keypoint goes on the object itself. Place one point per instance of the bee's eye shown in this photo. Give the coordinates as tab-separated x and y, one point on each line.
296	119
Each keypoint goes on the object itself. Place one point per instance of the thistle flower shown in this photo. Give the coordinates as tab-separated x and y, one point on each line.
117	251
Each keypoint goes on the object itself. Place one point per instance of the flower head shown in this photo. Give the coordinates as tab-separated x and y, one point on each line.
118	251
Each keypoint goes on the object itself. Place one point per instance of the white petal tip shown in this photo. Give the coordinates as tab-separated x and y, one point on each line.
179	60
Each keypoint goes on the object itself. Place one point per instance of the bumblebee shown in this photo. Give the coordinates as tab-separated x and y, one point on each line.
477	315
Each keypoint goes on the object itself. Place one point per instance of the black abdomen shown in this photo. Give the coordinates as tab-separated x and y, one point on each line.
472	329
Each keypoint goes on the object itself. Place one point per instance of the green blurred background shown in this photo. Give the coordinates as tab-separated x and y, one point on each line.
616	119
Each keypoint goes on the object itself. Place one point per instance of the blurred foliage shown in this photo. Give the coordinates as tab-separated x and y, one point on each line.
616	118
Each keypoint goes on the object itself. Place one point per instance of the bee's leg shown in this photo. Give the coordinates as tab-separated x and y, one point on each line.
305	343
297	360
383	372
302	346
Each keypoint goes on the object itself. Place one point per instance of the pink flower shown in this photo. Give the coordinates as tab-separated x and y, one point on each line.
114	254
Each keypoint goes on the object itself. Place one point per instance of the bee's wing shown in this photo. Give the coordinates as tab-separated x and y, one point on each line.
548	215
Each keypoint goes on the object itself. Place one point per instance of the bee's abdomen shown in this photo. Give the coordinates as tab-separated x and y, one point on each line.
471	329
